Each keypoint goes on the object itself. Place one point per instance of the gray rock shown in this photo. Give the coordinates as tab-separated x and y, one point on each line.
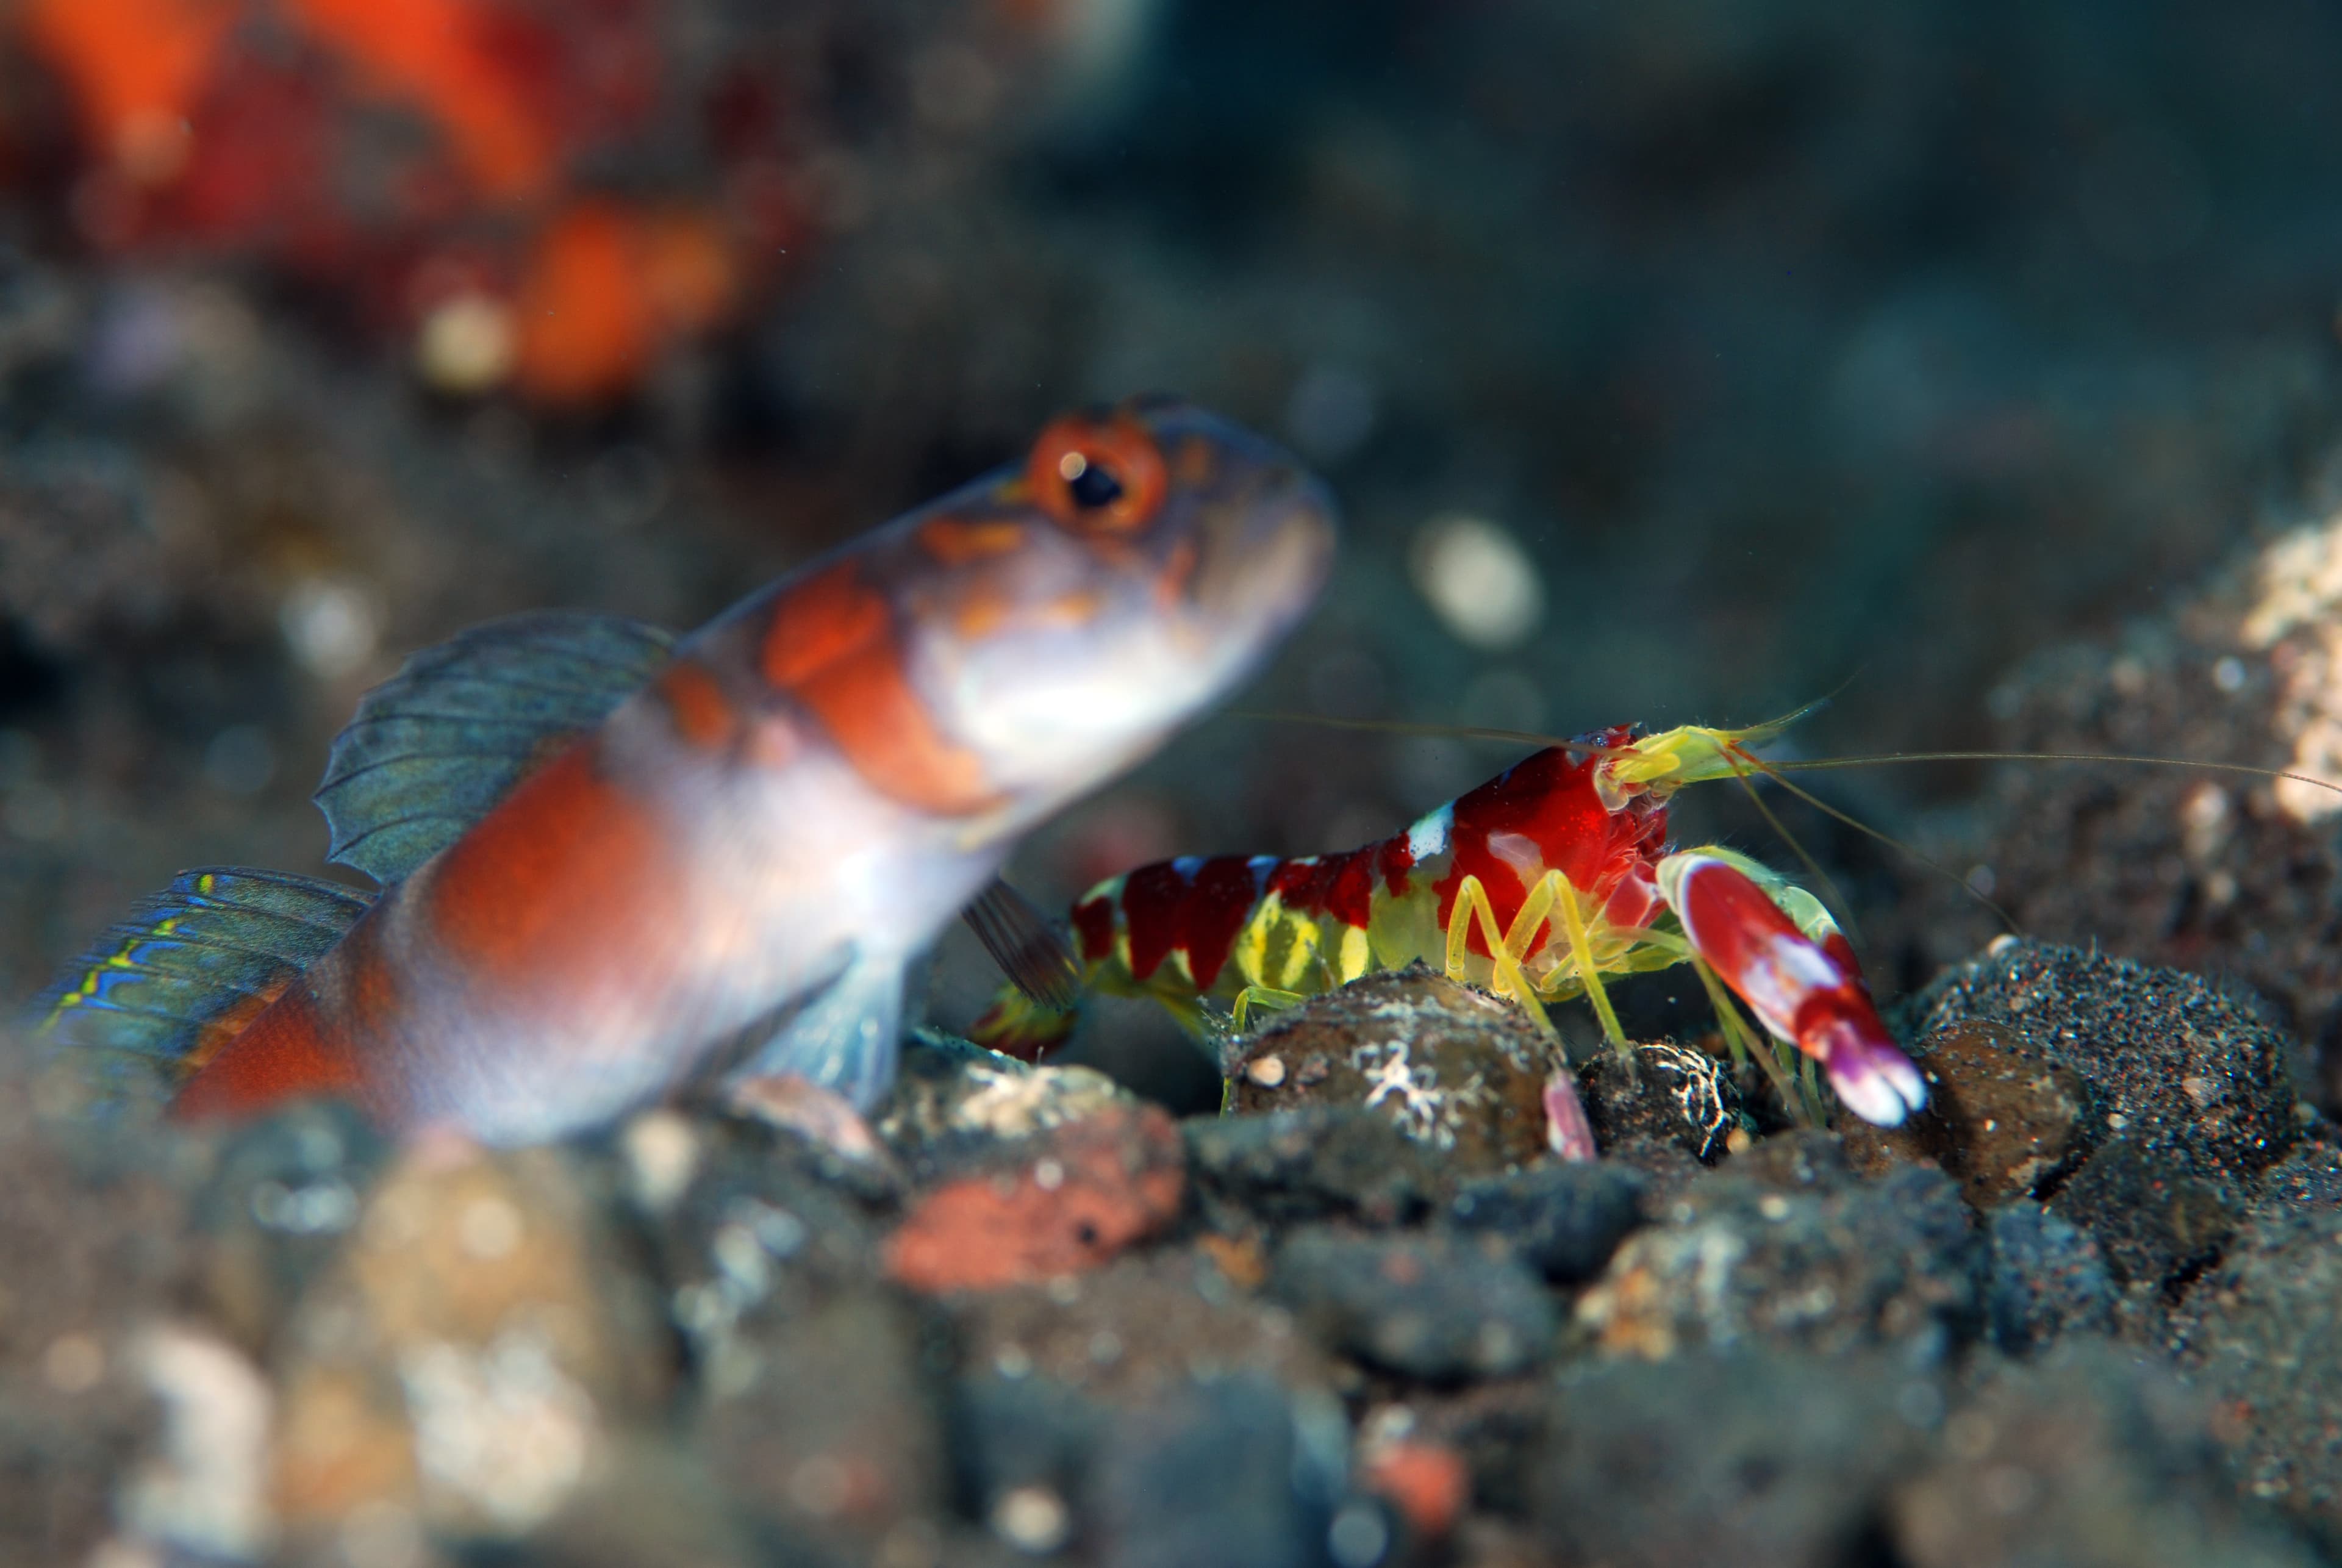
1788	1245
2048	1279
284	1194
1437	1308
824	1430
1147	1322
749	1235
1014	1433
2188	1092
1563	1221
1459	1071
1225	1474
2089	1460
1196	1474
1760	1460
1674	1101
1322	1163
952	1098
2262	1335
2002	1120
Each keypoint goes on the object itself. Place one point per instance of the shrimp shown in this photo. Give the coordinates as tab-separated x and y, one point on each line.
611	861
1536	884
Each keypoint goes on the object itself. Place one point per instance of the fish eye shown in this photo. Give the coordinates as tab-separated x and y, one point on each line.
1091	481
1097	476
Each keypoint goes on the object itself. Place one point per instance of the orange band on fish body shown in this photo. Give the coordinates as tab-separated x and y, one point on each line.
830	645
557	885
703	716
287	1052
820	621
956	541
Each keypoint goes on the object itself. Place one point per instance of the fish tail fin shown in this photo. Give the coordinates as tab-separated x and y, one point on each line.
191	965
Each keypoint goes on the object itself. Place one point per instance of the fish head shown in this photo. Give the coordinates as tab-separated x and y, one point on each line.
1130	573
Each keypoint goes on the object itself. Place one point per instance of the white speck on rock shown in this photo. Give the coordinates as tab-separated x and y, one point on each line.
661	1156
499	1432
2299	585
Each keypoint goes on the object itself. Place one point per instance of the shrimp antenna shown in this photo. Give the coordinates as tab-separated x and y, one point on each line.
1446	732
1742	764
1772	770
1776	771
1771	727
1431	730
2135	759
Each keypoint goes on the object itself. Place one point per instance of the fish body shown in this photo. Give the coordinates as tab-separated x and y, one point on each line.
734	867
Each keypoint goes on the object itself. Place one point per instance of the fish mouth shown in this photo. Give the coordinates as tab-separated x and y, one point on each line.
1265	557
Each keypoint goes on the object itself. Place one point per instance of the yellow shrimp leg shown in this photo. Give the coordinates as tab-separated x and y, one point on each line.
1559	891
1267	997
1472	903
1553	890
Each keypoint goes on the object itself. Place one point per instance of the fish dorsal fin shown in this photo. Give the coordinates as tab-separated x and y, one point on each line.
212	948
435	747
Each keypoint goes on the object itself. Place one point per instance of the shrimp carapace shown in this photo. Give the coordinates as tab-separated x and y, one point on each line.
611	859
1536	885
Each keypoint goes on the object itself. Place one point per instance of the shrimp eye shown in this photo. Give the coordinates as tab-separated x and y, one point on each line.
1097	477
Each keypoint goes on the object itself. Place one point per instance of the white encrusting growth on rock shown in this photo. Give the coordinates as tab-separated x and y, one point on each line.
2295	621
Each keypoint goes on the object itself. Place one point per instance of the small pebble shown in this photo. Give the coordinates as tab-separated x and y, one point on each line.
1031	1518
1358	1537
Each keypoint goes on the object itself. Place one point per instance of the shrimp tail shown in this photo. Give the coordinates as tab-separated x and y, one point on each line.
1021	1025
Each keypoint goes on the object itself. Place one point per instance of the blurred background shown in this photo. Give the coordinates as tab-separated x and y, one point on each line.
1676	361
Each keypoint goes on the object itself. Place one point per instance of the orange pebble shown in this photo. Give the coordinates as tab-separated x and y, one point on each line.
1427	1482
1091	1189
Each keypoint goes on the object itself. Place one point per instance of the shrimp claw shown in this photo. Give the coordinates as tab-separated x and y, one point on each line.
1803	984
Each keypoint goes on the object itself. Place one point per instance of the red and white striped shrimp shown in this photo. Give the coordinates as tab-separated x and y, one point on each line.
611	860
1536	885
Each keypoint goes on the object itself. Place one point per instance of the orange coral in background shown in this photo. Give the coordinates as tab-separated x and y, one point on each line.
198	135
607	286
136	66
482	71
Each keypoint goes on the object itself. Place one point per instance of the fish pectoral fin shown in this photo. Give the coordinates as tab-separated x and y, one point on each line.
191	963
1029	950
846	1038
433	748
